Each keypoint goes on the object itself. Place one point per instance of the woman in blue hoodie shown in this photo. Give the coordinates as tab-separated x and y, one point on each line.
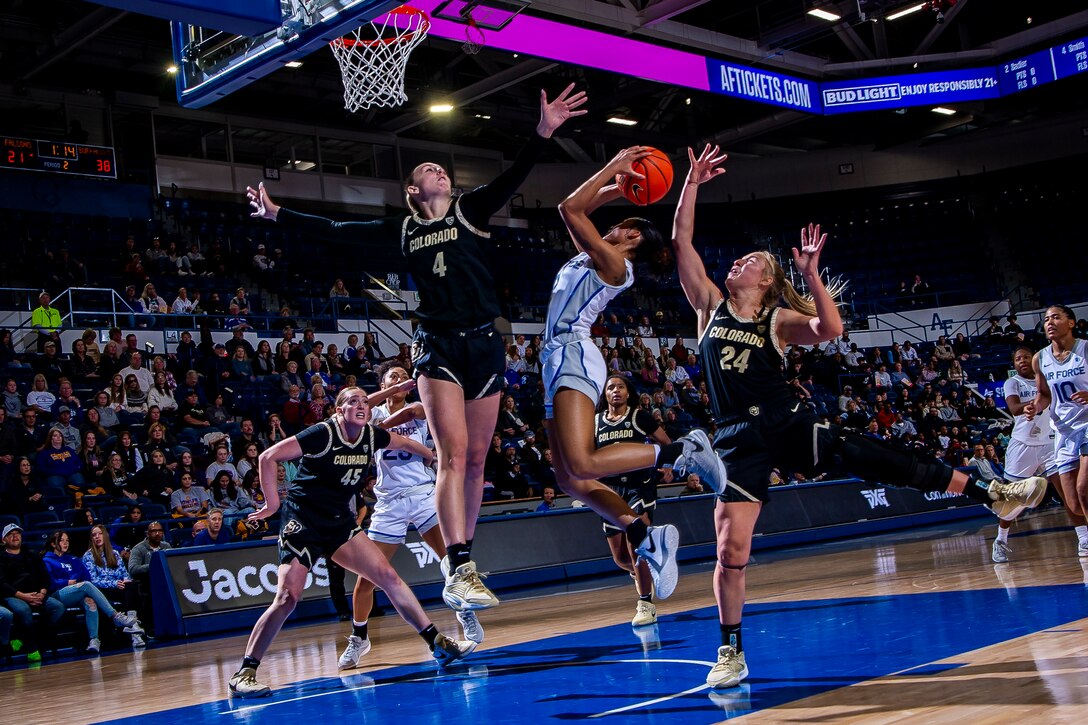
70	584
59	466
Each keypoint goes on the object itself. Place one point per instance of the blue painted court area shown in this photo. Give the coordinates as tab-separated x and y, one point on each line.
795	650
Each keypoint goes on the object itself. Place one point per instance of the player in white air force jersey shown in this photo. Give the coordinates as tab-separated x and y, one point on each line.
405	495
1031	448
1061	376
574	372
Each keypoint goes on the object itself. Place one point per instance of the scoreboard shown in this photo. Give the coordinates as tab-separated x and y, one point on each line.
58	157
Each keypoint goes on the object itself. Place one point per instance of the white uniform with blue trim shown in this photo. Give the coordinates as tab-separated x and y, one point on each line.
1031	445
1069	417
569	358
405	487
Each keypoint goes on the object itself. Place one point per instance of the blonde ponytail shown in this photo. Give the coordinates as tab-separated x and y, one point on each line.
782	289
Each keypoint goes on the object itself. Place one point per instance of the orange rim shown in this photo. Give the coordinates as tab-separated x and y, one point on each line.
352	42
424	24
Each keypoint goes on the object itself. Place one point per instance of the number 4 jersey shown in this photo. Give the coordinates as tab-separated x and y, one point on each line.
333	470
400	470
1064	379
742	363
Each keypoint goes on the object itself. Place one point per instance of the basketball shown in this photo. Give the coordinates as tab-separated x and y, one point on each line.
657	170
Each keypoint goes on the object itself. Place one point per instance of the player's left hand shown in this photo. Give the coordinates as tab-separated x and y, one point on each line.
807	260
554	113
406	386
1080	397
262	513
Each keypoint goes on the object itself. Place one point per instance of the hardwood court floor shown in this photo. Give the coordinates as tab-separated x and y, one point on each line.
912	626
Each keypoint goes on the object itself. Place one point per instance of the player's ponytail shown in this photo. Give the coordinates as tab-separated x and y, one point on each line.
782	289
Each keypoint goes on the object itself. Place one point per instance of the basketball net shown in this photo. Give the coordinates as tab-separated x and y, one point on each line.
374	58
474	38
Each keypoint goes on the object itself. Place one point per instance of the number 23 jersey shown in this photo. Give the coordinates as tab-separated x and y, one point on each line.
401	470
333	470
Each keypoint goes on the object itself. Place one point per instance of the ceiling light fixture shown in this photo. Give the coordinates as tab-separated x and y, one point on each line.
906	11
441	108
293	64
620	121
824	15
171	69
944	111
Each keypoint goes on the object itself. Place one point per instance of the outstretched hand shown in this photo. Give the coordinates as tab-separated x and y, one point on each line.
554	113
263	207
405	386
706	167
807	260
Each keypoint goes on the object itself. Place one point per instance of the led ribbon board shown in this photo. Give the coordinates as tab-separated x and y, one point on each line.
916	89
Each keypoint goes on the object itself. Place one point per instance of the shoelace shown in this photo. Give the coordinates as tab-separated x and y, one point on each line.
475	577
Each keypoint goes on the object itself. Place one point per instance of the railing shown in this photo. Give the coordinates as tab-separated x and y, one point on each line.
96	307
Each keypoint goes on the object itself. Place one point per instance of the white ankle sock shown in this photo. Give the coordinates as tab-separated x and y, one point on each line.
1082	532
1002	535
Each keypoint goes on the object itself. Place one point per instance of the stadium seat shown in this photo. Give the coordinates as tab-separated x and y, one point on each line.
41	520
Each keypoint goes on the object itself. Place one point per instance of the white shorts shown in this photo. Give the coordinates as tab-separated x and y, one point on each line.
393	514
1068	448
1023	460
577	365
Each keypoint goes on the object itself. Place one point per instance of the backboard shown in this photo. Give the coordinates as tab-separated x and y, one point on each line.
213	63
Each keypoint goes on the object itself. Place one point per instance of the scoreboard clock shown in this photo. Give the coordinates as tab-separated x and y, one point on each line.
58	157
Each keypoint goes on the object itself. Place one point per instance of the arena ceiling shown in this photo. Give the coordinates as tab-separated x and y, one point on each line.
78	47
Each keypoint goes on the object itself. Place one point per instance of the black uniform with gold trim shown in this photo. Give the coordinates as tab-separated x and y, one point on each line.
316	513
639	488
761	423
458	303
456	340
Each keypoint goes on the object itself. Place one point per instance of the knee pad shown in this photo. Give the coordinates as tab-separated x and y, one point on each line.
891	463
733	567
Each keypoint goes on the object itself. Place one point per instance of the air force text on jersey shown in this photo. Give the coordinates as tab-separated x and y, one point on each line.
1063	374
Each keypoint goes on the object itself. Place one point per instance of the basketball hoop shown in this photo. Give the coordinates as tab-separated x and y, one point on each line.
373	60
474	38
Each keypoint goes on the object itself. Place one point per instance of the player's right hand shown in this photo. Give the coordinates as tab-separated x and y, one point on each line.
623	162
263	207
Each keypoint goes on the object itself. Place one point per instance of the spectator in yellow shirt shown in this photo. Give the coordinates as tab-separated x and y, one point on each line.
46	320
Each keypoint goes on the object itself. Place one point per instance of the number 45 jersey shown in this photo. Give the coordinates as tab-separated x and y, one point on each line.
742	363
400	470
332	470
1064	379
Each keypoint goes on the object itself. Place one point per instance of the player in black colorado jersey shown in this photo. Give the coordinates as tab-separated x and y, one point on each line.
619	422
760	423
458	356
317	521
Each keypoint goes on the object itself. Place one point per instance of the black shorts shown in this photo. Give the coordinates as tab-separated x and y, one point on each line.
752	445
308	539
642	500
473	358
